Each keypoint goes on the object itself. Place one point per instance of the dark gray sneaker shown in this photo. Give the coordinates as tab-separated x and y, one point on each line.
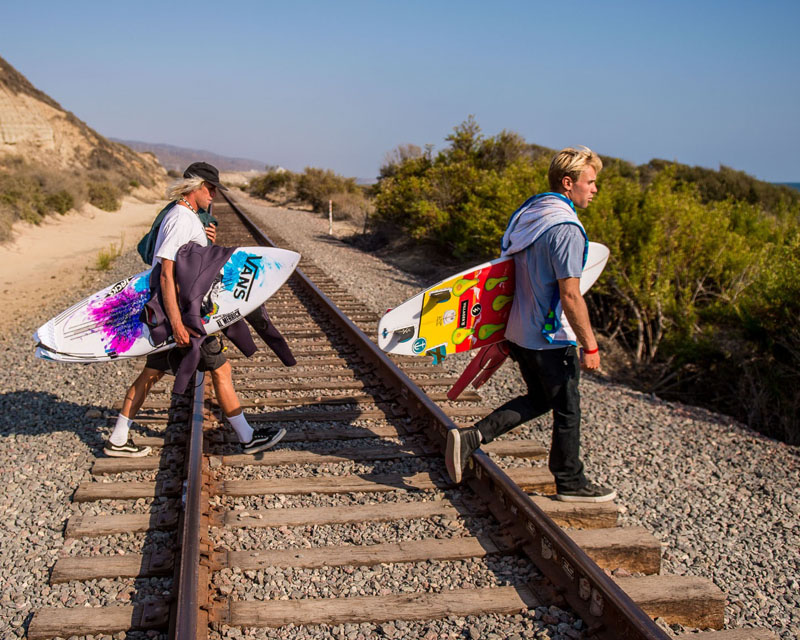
460	445
588	493
263	439
127	450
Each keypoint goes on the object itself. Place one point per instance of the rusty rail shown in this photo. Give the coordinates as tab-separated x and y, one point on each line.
187	606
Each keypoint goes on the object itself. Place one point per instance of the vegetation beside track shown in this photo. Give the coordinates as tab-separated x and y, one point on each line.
703	286
31	191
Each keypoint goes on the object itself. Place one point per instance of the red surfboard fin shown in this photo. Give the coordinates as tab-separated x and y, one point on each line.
481	367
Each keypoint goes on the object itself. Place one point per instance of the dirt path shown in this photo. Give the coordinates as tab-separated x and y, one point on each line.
56	255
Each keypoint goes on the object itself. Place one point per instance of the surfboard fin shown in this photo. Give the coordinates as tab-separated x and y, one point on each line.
481	368
436	297
403	335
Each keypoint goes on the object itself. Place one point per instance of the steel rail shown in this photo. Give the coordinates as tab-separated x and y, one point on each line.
187	607
608	611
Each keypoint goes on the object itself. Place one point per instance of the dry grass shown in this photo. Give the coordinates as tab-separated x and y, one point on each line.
352	206
106	257
30	191
6	220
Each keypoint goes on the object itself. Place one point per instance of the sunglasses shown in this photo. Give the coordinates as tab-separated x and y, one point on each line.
211	188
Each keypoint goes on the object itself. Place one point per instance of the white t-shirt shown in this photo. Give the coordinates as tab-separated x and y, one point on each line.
180	225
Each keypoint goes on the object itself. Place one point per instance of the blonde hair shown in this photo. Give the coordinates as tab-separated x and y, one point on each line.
183	186
571	162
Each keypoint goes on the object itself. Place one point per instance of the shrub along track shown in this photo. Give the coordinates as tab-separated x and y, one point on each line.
285	537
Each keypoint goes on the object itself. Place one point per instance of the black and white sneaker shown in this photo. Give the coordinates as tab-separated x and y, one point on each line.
263	439
127	450
588	493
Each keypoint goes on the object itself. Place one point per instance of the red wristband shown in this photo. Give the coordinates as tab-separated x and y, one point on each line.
592	351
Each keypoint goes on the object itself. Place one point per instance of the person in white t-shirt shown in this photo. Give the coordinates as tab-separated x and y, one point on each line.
181	225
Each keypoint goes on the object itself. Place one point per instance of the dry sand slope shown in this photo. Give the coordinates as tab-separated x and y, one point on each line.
55	255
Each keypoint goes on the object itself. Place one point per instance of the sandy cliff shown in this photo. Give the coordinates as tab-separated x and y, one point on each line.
35	127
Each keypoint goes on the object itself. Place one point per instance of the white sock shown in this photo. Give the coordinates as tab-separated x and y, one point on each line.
241	427
120	434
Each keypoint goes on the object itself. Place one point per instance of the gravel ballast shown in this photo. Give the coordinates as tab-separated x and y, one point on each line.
47	447
724	500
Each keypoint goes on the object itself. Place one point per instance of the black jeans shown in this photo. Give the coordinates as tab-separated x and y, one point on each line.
552	377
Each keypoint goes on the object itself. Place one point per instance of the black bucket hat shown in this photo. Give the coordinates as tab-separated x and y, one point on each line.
207	172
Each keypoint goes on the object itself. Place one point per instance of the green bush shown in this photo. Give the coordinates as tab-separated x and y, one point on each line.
29	192
673	257
702	283
276	183
60	202
316	186
727	183
23	194
104	195
768	315
59	181
461	198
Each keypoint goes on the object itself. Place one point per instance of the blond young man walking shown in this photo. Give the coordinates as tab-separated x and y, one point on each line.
548	330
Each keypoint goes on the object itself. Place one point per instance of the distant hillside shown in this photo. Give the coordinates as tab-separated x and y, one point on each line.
178	158
34	128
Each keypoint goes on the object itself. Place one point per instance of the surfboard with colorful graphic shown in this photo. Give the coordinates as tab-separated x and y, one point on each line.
107	325
466	311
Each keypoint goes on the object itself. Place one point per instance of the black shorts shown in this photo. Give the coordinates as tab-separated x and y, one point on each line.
212	356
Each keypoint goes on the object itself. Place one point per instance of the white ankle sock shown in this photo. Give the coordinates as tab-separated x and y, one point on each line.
241	427
119	435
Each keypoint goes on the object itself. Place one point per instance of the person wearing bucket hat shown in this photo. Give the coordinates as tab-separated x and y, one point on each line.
182	223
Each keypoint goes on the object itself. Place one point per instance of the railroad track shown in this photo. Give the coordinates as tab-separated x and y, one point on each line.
357	488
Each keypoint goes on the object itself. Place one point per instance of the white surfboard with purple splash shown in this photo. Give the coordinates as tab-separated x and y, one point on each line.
106	326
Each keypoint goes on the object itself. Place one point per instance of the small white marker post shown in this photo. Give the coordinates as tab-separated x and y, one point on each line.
330	217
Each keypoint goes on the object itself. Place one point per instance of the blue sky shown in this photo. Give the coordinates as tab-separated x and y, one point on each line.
339	83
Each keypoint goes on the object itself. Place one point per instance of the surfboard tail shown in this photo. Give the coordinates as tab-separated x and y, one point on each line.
481	368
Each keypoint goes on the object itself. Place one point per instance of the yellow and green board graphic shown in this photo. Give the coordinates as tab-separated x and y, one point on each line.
468	311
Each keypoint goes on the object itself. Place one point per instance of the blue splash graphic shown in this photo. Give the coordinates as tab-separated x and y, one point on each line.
234	266
118	315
